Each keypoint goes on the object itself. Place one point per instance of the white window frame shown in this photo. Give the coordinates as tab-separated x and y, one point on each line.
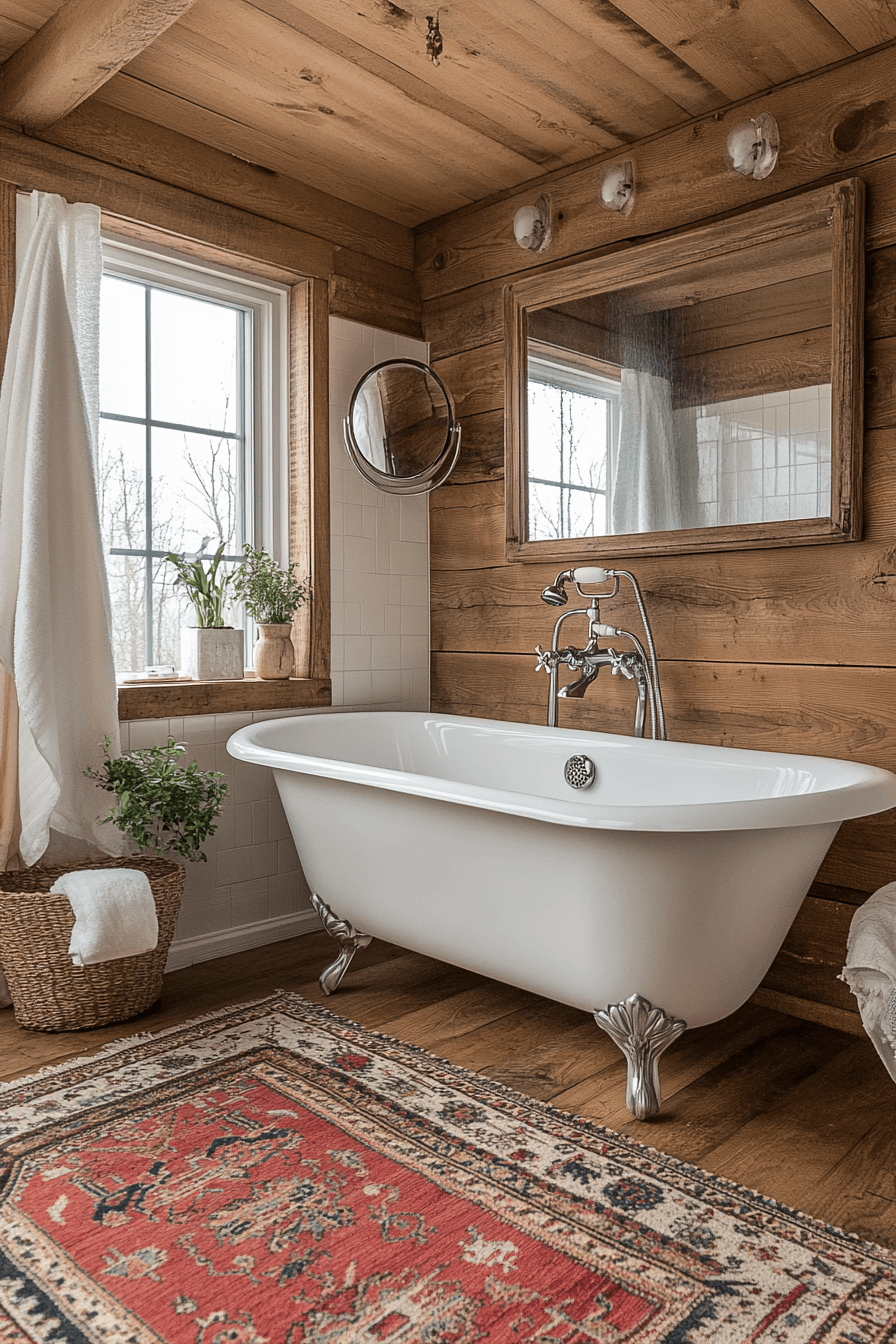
267	431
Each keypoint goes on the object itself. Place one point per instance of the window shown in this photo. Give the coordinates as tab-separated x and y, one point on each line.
192	418
573	428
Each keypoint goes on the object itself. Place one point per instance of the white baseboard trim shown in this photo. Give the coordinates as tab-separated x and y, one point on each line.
223	942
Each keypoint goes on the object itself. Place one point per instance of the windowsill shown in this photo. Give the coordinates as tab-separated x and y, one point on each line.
176	699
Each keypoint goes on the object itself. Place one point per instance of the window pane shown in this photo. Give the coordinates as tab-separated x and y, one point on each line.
545	520
555	511
122	484
127	591
195	357
196	493
568	436
544	439
587	514
587	422
122	347
171	608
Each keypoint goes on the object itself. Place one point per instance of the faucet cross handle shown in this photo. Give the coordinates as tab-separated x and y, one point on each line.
547	659
622	662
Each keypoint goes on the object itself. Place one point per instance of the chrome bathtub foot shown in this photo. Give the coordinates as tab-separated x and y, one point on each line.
642	1033
348	938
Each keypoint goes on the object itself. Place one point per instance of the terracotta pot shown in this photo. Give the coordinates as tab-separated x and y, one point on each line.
274	656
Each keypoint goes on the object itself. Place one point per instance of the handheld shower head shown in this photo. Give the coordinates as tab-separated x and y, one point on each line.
593	574
555	593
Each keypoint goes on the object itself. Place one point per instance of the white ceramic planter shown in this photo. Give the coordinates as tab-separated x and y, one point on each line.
213	653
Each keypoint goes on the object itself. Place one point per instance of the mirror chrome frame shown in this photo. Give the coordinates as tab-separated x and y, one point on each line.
423	481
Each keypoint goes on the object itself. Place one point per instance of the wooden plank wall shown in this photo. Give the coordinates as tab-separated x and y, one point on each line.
719	356
189	192
791	648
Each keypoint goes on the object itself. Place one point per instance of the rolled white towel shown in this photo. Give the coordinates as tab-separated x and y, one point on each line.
870	970
115	914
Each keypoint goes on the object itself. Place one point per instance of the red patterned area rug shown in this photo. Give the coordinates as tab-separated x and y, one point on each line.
276	1173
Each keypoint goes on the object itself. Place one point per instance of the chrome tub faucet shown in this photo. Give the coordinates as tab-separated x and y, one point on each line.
636	664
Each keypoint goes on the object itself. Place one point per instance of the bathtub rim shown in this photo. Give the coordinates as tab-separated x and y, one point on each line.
873	790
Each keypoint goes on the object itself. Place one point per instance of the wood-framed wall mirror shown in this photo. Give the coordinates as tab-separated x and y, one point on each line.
700	392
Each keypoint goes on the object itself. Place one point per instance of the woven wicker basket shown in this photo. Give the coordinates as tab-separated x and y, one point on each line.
49	993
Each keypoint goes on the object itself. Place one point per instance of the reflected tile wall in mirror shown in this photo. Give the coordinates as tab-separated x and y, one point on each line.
765	458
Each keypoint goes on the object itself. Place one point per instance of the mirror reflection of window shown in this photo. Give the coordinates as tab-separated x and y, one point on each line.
573	417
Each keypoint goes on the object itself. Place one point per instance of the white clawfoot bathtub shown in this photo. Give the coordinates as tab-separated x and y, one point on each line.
674	877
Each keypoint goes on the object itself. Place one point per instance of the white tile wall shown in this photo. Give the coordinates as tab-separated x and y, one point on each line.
252	890
765	458
380	550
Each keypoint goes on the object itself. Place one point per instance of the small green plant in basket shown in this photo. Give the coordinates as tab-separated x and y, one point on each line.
272	595
162	806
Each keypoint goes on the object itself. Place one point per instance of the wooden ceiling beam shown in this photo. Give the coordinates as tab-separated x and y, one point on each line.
75	52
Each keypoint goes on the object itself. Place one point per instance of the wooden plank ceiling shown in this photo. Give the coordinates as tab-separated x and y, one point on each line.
341	94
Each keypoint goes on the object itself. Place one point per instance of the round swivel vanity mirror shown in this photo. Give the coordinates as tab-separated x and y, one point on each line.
401	432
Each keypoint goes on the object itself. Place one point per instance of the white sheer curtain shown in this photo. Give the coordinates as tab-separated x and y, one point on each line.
10	823
55	622
654	477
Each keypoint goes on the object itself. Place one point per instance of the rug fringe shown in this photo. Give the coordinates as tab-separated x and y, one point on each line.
124	1043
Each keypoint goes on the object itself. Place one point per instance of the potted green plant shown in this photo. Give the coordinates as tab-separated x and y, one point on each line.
272	596
210	650
162	807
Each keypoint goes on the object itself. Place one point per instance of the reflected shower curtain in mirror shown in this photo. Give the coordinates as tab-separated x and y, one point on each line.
654	475
55	624
370	422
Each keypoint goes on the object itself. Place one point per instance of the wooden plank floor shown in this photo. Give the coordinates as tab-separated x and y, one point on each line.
799	1111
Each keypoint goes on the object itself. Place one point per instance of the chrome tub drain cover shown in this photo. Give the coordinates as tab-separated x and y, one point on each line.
579	772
